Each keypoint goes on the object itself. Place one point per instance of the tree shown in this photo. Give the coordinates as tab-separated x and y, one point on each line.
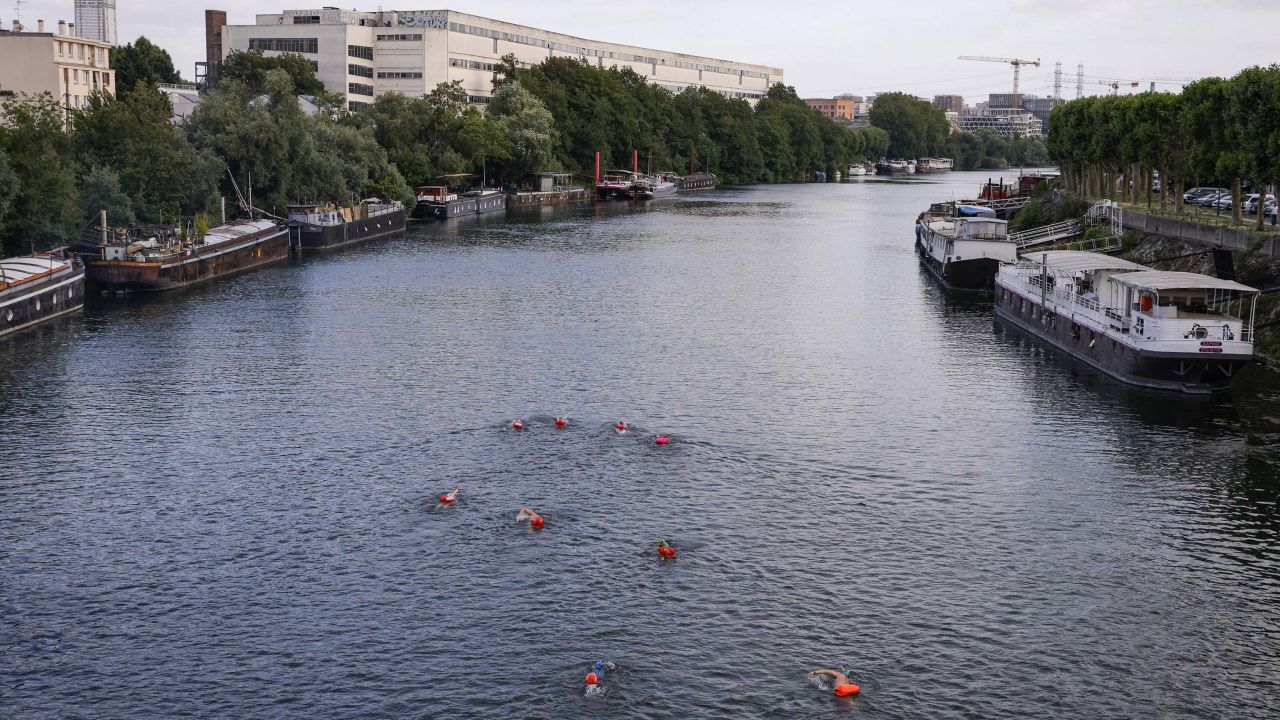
252	67
42	209
528	128
916	128
142	62
100	190
8	186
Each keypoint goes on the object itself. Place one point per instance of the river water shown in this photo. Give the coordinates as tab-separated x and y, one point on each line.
221	503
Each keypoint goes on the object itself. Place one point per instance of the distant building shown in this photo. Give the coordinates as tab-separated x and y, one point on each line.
96	20
363	54
68	67
835	108
1004	122
1034	104
949	103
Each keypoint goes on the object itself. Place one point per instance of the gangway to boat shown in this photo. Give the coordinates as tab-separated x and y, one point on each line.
1047	234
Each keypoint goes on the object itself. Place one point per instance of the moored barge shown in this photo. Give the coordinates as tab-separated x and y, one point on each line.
317	227
615	185
964	252
1167	330
155	259
38	288
441	203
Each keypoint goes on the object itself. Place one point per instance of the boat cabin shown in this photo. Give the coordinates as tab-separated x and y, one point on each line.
435	193
1173	306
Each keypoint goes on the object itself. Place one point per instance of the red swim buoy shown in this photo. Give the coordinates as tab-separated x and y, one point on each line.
847	690
561	422
662	440
591	679
536	522
446	499
620	426
517	425
667	551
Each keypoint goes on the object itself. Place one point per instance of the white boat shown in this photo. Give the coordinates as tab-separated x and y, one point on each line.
653	187
856	170
911	166
1158	329
965	252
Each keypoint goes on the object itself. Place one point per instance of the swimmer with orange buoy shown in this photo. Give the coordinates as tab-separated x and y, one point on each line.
448	499
841	685
561	423
662	440
620	426
595	678
666	550
535	520
517	425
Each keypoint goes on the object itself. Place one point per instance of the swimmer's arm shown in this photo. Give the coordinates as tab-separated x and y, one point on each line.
524	513
825	671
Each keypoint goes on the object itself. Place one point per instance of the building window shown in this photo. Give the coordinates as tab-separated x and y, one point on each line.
409	37
106	79
80	51
360	51
306	19
62	48
479	99
290	45
357	106
470	64
359	89
361	70
399	75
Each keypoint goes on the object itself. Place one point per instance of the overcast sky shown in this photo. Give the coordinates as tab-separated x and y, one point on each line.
835	46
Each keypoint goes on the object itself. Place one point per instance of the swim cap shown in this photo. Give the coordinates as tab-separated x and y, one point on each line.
591	679
599	666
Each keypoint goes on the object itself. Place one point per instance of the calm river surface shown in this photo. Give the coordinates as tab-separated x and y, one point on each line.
221	503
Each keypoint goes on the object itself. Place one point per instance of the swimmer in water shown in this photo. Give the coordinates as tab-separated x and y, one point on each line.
595	679
535	520
841	685
448	499
620	426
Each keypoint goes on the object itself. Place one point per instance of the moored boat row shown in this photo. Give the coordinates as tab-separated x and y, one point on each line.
38	288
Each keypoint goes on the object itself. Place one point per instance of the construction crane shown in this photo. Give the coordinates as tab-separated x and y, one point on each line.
1167	81
1017	68
1116	84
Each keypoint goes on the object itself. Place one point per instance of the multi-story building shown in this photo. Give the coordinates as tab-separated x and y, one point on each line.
836	108
1034	104
949	103
1004	122
364	54
96	20
68	67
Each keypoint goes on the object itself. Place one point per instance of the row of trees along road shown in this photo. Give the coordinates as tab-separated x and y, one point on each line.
1215	132
917	129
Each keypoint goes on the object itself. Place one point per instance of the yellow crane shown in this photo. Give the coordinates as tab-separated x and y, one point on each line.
1017	64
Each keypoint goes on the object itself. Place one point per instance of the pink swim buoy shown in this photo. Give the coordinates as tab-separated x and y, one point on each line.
561	422
517	425
662	440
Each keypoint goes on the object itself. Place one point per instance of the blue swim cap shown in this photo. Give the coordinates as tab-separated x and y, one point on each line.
599	668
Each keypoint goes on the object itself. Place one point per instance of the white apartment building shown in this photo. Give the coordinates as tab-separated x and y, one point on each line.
68	67
363	54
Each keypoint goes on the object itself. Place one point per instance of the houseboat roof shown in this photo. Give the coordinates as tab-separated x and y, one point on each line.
1169	280
222	233
977	210
1079	260
17	269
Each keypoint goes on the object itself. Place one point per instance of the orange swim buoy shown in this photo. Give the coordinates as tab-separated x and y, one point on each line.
591	679
847	690
561	422
446	499
620	426
536	522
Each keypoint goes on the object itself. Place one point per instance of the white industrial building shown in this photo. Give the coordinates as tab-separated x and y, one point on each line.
97	20
364	54
1004	122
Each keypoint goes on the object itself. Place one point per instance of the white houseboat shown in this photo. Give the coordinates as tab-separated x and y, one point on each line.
1167	330
38	288
964	252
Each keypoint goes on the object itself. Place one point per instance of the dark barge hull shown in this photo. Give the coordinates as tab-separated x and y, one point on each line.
613	193
207	264
330	237
1192	373
45	300
461	207
968	276
696	181
890	170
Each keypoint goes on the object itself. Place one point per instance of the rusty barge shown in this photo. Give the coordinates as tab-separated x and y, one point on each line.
156	259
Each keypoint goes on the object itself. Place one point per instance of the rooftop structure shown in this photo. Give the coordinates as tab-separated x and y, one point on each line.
1002	121
363	54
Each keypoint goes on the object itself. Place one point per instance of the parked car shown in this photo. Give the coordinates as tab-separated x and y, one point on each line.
1208	199
1196	192
1250	204
1224	202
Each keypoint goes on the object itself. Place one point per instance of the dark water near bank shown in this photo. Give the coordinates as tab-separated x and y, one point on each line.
221	503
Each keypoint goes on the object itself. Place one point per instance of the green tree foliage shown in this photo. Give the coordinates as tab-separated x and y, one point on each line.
290	156
8	185
155	166
42	210
916	128
527	127
100	189
142	63
251	68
